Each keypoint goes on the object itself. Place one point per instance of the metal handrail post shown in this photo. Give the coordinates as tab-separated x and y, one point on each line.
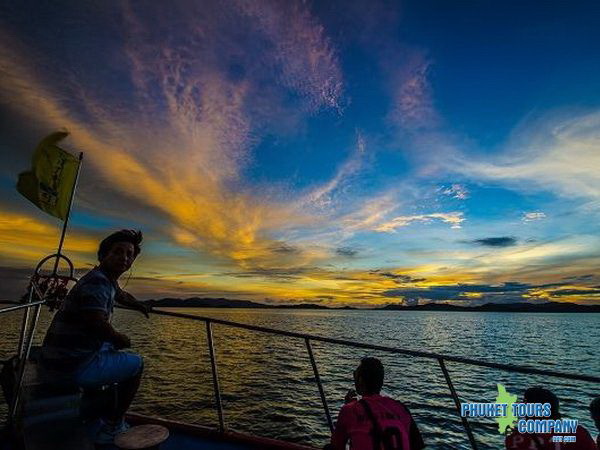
319	384
22	363
25	324
464	420
215	375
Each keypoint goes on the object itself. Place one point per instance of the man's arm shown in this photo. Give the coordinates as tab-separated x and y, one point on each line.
415	438
126	299
340	434
98	324
414	434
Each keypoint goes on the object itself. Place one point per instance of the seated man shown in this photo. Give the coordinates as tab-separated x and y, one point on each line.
81	340
375	422
543	441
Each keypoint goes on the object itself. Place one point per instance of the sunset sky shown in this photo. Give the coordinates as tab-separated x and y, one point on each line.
334	152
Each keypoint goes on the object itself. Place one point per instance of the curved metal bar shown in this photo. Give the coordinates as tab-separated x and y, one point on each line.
382	348
58	257
27	327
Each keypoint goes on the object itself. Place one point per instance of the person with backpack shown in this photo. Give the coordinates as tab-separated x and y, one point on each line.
375	422
546	441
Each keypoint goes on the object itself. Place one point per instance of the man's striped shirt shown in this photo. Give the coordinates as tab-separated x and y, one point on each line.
69	343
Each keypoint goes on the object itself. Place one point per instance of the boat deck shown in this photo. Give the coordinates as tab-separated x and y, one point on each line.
50	418
186	436
182	436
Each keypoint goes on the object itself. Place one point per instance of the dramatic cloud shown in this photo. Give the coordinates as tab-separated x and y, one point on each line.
558	153
458	191
273	273
579	292
412	95
504	241
306	58
371	213
177	142
292	151
346	252
42	239
531	216
472	294
398	277
454	219
323	196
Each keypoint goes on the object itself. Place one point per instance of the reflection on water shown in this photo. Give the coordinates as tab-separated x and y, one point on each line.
267	382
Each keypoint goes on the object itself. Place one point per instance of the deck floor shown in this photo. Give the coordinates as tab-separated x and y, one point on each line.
74	437
175	441
178	440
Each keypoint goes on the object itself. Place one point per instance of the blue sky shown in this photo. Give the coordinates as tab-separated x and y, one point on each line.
346	153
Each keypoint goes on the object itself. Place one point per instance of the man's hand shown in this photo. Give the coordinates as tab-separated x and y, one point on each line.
128	300
144	309
350	396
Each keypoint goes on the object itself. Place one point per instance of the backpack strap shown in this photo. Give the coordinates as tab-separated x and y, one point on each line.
377	434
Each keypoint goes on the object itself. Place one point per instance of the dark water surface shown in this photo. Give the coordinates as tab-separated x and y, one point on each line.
267	381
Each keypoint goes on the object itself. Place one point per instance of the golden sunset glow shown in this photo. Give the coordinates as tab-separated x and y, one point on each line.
246	150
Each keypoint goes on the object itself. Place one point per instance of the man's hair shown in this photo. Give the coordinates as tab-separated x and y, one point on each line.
132	236
371	372
595	407
541	395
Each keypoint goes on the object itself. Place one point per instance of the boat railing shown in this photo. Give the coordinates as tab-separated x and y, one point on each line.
26	338
308	338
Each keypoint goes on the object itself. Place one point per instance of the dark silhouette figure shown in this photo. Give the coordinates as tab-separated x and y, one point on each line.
81	340
375	421
545	441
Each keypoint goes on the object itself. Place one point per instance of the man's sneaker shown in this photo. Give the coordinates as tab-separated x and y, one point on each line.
107	433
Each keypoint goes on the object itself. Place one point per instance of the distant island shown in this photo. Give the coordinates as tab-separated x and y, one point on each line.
203	302
199	302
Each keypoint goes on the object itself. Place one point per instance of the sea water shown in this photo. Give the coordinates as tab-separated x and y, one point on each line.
267	383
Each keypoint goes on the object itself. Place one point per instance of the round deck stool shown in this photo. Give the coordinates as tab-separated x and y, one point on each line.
146	437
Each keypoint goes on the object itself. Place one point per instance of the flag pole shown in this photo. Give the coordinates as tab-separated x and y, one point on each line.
65	223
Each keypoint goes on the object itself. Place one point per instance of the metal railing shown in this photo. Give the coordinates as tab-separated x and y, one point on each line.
49	289
25	341
25	345
308	338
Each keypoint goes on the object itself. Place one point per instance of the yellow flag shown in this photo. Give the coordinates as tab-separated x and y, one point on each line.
51	180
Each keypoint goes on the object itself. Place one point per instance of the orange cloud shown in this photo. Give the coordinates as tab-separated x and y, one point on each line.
26	240
189	185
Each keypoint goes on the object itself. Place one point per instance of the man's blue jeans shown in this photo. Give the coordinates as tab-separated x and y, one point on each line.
108	366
